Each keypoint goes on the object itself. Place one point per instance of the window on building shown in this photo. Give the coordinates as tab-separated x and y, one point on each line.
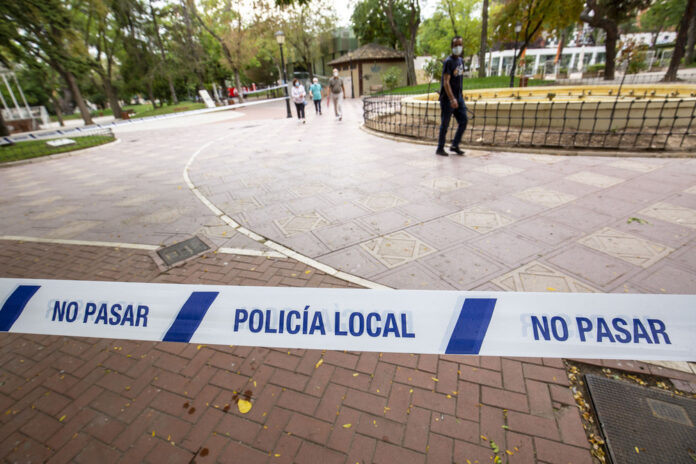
601	58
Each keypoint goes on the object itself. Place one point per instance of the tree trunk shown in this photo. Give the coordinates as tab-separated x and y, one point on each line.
150	94
238	83
172	91
690	42
56	106
680	43
410	67
484	40
112	98
77	95
4	132
610	51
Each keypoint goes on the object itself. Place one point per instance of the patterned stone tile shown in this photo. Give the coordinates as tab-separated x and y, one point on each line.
544	197
310	188
594	179
425	163
72	229
691	190
382	201
445	184
55	213
237	205
545	159
538	277
375	174
398	248
675	365
481	220
634	166
136	200
162	216
630	248
113	190
498	170
44	200
672	213
301	223
34	192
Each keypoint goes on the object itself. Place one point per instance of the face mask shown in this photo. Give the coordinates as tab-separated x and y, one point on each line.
457	50
335	74
297	84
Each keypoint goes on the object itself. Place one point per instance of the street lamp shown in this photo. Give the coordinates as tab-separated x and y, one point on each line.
518	28
280	38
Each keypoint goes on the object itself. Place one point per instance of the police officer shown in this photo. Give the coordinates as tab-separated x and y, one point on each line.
451	101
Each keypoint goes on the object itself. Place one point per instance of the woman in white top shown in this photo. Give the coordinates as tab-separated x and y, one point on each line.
298	96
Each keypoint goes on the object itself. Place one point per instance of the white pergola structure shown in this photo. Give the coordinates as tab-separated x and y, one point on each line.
13	114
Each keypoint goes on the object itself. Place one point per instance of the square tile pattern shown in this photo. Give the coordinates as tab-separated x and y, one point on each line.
445	184
382	201
498	170
398	248
301	223
480	219
594	179
538	277
627	247
544	197
633	166
672	213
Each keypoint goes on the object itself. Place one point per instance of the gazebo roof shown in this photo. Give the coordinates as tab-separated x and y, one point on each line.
369	52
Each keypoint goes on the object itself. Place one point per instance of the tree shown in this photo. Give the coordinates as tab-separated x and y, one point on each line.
662	15
451	17
680	43
534	17
302	30
408	38
165	62
484	40
44	30
371	25
608	15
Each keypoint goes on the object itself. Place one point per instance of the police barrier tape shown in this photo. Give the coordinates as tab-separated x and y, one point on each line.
618	326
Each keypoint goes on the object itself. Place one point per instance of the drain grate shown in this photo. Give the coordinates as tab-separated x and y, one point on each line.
659	424
182	250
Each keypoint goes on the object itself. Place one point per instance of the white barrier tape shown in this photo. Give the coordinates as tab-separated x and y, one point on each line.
658	327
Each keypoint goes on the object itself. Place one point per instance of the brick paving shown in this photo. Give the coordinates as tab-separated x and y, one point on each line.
85	400
506	215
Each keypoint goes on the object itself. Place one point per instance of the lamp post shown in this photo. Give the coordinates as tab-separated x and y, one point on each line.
280	38
518	28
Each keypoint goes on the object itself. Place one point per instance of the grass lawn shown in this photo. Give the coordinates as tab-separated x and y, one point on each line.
37	148
141	111
490	82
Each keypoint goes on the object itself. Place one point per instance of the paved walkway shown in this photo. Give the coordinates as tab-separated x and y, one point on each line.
386	211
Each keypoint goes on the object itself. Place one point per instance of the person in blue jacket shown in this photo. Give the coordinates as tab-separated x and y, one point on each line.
451	100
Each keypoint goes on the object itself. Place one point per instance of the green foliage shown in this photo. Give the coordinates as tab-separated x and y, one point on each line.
662	15
391	77
371	25
37	148
433	68
593	68
452	17
534	17
633	55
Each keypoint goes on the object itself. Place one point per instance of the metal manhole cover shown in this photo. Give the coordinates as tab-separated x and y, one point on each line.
658	424
182	250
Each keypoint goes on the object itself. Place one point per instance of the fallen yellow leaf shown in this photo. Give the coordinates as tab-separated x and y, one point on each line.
244	406
355	375
153	433
550	289
62	418
277	455
637	450
346	426
319	363
435	379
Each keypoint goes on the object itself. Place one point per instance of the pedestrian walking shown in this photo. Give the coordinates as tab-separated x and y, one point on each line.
298	97
336	94
451	100
315	90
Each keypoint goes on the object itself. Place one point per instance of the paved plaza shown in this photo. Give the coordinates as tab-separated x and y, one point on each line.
389	212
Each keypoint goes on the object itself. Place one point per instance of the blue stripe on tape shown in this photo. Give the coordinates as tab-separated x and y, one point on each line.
471	326
14	305
190	317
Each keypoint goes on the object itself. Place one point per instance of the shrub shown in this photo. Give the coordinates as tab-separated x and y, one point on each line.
391	77
433	68
593	68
